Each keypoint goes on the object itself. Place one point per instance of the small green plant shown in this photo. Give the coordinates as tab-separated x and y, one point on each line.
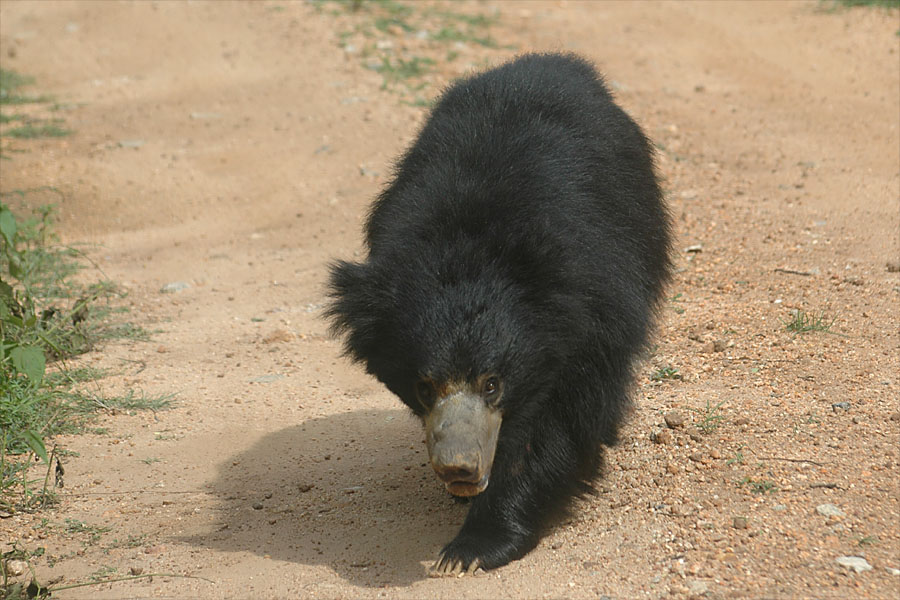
674	299
868	540
803	322
92	533
38	129
738	458
46	317
710	418
10	82
759	487
665	373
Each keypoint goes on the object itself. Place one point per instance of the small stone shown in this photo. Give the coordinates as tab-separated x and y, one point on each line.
893	266
740	522
674	419
159	549
671	468
131	143
854	563
257	506
556	545
136	570
892	570
174	287
661	437
697	587
719	345
305	487
895	416
279	335
708	348
715	454
840	406
742	421
696	457
694	249
693	433
830	510
14	568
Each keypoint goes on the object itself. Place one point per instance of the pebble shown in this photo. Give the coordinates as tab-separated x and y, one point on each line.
740	522
174	287
892	570
895	416
742	421
674	419
693	433
257	506
136	570
661	437
697	588
696	457
15	568
830	510
855	563
719	345
840	405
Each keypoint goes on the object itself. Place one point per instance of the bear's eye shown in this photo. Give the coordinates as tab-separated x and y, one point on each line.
425	393
491	386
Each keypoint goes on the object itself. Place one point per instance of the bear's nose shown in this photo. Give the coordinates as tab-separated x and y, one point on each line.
460	468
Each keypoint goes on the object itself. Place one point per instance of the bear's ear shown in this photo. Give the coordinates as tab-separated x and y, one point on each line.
357	307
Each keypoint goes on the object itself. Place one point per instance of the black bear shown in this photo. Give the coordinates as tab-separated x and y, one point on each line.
515	263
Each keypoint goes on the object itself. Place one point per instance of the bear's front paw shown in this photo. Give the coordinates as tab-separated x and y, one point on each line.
468	553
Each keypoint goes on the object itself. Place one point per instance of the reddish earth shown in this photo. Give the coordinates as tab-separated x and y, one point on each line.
235	147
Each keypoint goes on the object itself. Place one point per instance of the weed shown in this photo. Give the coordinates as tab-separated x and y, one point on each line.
881	3
132	541
46	317
868	540
759	487
710	418
38	129
673	300
150	460
91	532
803	322
10	82
738	458
666	373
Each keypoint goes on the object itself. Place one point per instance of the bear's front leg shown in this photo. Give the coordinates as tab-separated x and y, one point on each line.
530	480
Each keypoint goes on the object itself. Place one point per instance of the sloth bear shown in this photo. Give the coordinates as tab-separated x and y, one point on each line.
515	263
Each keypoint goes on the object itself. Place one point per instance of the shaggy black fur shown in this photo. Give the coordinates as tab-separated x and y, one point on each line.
523	235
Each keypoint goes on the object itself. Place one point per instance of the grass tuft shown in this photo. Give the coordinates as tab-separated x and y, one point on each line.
803	322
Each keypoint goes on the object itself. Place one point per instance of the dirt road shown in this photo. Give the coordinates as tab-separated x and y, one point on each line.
234	147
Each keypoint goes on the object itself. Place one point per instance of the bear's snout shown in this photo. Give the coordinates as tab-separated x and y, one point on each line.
461	433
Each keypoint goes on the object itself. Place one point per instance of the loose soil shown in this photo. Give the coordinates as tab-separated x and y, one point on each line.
235	147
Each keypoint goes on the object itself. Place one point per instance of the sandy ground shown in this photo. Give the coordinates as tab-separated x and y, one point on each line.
235	147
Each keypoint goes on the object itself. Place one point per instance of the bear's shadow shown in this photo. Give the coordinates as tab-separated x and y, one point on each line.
352	491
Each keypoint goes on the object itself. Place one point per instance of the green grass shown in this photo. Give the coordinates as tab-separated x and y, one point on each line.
710	419
803	322
759	487
424	35
37	129
881	3
48	315
10	82
665	373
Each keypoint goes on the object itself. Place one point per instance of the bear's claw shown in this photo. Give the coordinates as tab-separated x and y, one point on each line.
448	566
